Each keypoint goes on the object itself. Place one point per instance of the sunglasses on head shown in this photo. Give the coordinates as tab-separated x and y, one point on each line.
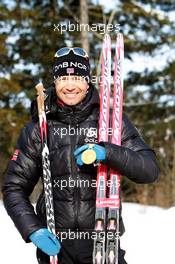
76	50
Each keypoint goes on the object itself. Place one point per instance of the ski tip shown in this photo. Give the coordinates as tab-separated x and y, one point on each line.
120	40
107	46
107	38
120	34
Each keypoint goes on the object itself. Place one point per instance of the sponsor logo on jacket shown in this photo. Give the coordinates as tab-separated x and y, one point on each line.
91	136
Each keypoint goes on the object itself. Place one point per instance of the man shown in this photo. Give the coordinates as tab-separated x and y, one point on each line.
72	106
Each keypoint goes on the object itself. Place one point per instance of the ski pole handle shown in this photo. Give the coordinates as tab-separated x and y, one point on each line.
40	99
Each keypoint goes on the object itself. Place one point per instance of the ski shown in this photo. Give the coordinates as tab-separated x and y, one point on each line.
114	186
100	215
106	242
46	165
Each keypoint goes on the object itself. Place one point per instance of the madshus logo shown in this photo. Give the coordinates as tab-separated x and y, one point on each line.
66	64
91	136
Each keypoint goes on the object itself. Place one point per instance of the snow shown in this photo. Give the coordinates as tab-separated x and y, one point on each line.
149	237
150	234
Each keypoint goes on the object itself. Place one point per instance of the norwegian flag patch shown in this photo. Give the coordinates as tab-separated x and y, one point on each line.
15	155
70	70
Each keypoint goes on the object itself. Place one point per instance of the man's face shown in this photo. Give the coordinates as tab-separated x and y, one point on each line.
71	89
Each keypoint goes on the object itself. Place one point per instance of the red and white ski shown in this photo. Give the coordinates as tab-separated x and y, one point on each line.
100	215
106	243
114	190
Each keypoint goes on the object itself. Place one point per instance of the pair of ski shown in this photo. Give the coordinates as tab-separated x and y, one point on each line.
106	244
113	202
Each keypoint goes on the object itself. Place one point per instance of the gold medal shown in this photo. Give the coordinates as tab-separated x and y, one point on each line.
89	155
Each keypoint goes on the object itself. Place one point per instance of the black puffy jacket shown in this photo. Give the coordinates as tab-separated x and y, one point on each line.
74	205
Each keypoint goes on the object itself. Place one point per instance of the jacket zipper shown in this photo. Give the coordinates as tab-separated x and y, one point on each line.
75	177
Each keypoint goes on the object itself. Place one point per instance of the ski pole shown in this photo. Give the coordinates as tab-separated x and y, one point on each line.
46	165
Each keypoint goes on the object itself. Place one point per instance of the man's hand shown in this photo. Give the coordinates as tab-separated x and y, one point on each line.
45	241
98	153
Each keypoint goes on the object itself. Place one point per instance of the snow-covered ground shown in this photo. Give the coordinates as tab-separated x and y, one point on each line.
149	237
150	234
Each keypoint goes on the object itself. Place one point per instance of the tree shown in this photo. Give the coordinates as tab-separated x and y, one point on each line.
31	33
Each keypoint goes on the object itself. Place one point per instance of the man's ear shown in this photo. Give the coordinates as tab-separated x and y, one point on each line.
87	89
